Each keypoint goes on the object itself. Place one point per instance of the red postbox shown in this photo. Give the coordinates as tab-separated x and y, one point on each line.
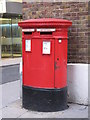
44	54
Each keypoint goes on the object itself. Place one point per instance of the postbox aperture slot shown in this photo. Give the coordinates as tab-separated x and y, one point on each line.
28	33
45	33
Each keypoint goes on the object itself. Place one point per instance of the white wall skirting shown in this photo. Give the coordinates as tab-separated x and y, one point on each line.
77	77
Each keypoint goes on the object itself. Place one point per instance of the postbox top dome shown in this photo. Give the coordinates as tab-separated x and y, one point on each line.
45	22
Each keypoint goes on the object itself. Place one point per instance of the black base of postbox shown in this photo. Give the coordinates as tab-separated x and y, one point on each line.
44	100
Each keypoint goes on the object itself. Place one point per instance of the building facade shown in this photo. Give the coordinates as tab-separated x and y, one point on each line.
78	41
11	34
10	50
78	44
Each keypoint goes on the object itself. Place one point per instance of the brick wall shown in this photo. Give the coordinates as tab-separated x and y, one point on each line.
74	11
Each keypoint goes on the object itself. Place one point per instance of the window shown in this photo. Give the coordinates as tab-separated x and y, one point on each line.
11	39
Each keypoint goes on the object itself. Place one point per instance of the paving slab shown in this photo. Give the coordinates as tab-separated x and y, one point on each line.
15	110
74	111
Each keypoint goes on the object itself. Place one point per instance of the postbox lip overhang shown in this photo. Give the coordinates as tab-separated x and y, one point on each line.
45	23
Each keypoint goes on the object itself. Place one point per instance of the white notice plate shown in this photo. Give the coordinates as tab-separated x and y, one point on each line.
27	45
46	47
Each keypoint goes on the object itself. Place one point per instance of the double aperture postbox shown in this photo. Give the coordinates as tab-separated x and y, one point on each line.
44	53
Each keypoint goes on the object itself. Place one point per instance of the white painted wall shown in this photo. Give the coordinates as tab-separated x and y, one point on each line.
77	77
89	85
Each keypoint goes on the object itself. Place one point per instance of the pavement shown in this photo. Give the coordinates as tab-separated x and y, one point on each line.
15	110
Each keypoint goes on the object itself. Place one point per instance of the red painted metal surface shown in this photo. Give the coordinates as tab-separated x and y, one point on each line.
60	63
45	70
39	68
